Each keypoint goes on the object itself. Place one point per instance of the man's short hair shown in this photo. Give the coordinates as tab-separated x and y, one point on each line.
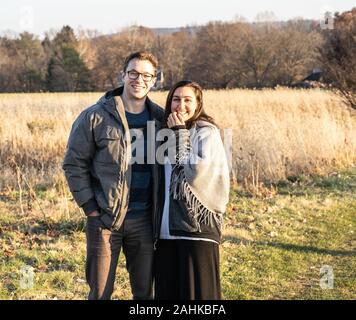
142	55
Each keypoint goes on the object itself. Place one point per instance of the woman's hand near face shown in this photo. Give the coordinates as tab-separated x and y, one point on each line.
175	119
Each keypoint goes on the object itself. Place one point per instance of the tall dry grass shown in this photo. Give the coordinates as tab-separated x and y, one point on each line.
282	133
33	133
276	133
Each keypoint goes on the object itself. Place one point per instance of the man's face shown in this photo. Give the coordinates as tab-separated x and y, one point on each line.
139	78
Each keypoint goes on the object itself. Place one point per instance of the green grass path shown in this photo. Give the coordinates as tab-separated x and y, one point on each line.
272	248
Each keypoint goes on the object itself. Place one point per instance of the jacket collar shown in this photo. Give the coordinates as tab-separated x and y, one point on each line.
110	102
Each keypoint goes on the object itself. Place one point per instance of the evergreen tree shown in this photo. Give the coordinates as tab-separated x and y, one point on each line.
66	69
68	72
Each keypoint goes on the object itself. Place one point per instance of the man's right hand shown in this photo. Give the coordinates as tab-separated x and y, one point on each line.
94	214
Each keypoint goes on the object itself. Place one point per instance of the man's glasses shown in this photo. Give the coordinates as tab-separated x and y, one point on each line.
133	75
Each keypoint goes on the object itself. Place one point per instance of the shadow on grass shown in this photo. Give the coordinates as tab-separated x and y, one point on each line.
47	263
301	189
292	247
308	249
62	227
30	261
301	186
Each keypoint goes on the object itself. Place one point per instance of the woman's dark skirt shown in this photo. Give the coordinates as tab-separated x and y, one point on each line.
187	270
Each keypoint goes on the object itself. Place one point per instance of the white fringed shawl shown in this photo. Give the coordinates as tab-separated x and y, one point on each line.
200	175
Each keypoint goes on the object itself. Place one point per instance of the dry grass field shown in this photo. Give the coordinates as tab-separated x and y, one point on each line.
292	207
276	133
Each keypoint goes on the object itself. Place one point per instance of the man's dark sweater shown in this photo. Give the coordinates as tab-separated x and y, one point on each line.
141	183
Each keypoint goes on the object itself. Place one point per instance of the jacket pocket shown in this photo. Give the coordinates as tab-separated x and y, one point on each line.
95	225
108	184
108	144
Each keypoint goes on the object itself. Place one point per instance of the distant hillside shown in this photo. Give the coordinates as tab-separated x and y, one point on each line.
163	31
159	31
307	25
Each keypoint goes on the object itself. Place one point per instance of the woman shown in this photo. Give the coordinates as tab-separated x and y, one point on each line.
196	194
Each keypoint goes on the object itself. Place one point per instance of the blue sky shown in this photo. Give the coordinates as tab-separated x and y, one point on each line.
109	16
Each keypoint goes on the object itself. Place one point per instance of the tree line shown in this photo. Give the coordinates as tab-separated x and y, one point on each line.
217	55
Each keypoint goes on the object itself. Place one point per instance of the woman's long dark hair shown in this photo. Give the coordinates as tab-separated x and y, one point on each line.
199	114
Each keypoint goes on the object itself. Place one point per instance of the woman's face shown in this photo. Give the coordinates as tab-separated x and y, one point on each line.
184	102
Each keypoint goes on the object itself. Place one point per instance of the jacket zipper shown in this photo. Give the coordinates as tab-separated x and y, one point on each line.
118	210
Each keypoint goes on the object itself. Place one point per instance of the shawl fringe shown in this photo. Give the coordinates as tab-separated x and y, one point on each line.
180	190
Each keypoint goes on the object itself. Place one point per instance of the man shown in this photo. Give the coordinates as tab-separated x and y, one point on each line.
118	197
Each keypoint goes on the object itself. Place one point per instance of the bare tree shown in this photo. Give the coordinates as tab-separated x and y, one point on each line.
23	65
338	55
173	52
216	50
261	57
298	52
32	60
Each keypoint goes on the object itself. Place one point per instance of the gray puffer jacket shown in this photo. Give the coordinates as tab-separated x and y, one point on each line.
96	162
